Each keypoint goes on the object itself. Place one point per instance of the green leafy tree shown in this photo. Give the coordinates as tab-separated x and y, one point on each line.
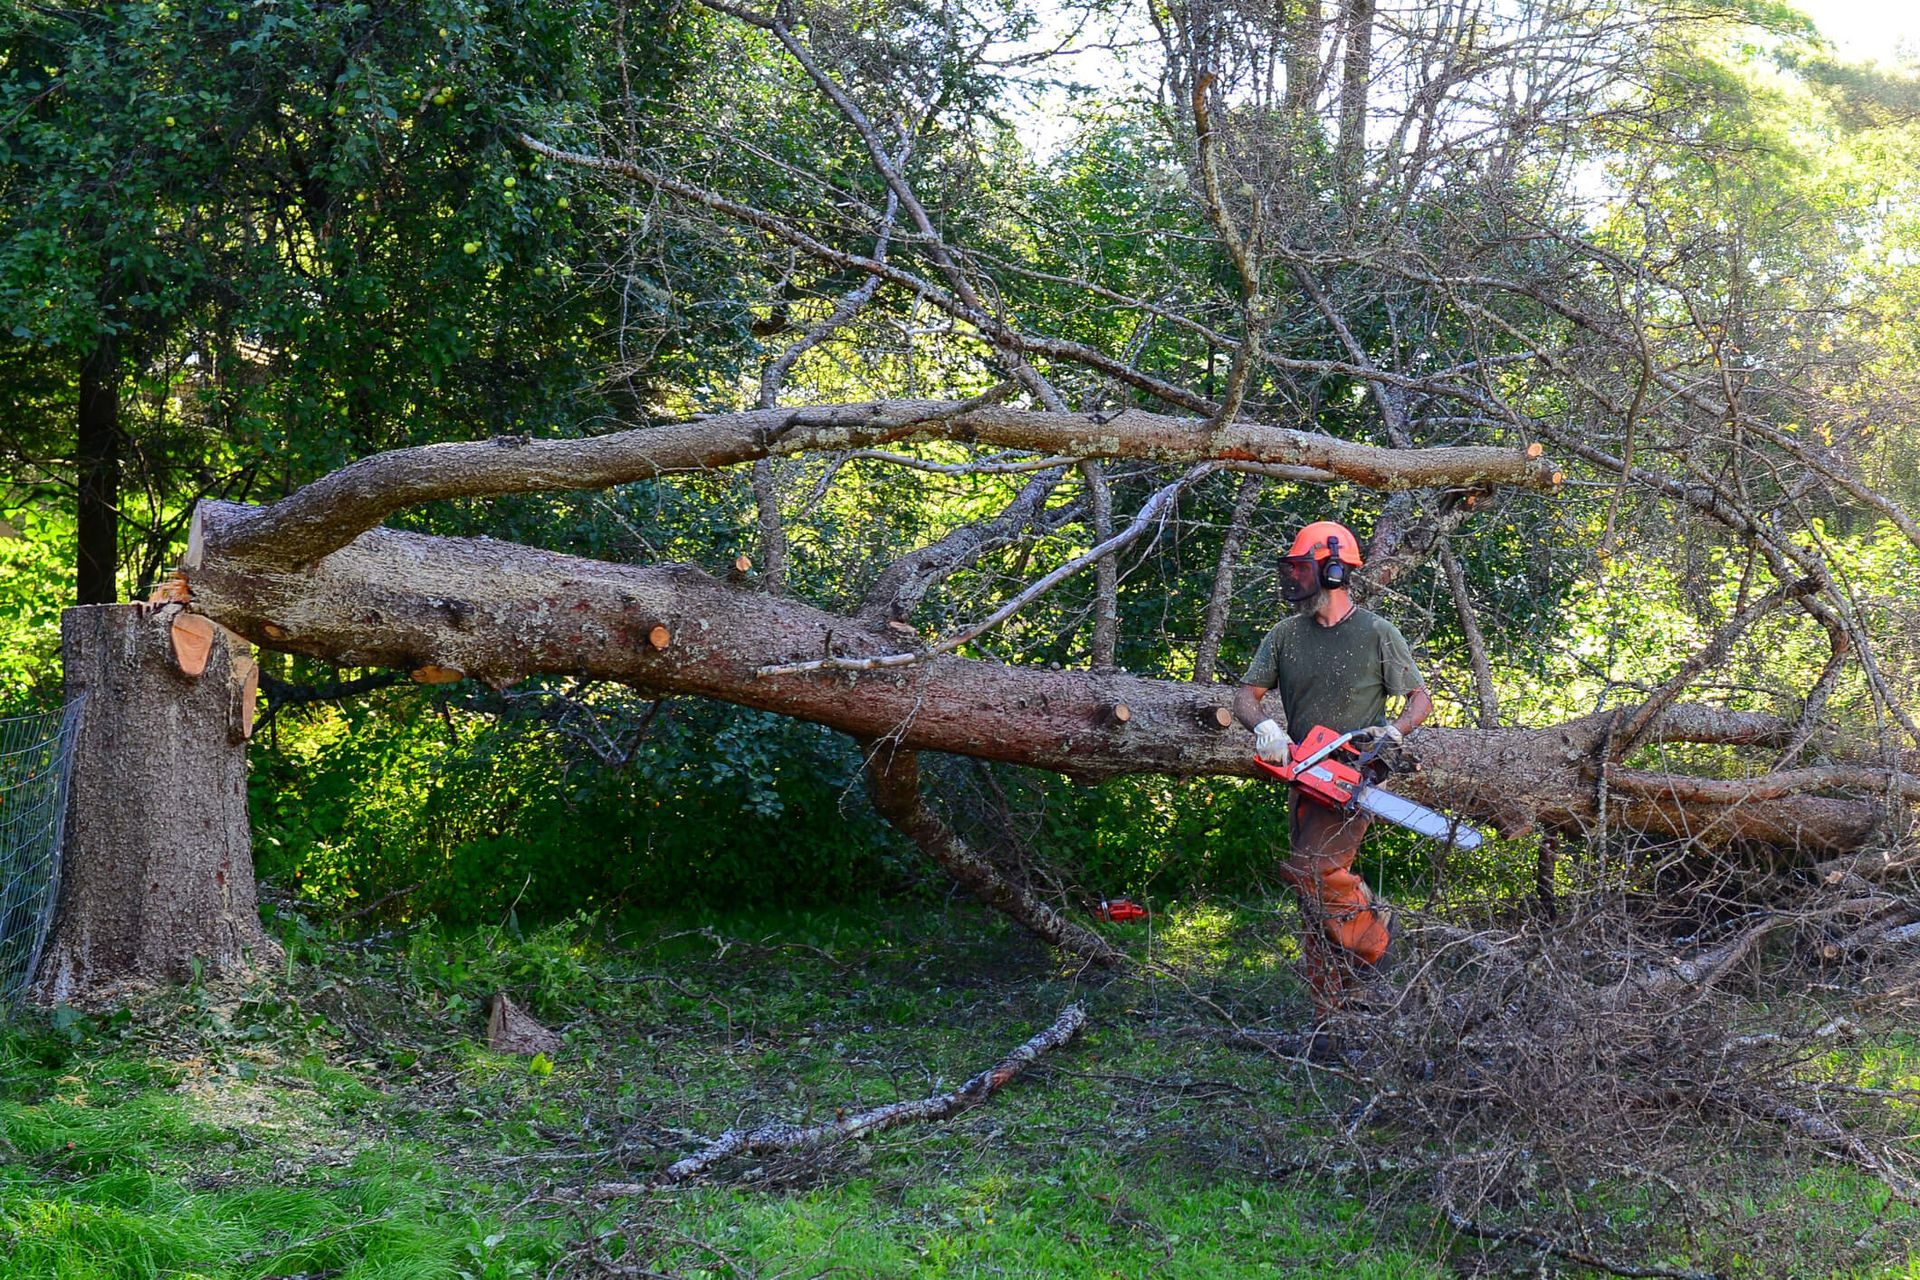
242	245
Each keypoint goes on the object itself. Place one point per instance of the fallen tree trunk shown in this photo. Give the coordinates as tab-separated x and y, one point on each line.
500	612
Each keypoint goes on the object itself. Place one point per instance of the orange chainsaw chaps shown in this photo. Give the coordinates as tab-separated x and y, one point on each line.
1338	901
1345	931
1351	922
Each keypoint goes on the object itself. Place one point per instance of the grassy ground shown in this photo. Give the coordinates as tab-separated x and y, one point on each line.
342	1121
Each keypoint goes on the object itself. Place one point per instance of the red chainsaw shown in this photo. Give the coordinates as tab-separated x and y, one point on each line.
1120	910
1330	770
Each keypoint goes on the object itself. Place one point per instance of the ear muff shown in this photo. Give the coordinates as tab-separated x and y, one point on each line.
1333	570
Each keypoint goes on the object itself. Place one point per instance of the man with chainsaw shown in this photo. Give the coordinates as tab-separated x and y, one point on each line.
1334	664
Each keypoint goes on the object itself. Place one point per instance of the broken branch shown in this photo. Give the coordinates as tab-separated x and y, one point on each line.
330	512
774	1139
1150	513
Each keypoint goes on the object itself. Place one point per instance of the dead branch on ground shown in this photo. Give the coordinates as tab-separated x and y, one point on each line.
774	1139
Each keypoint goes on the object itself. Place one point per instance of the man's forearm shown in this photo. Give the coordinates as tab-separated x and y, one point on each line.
1414	714
1246	705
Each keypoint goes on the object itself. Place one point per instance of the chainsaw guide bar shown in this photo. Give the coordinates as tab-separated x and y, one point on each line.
1328	769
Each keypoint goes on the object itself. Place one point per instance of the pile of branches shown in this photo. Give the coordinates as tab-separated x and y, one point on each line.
1599	1076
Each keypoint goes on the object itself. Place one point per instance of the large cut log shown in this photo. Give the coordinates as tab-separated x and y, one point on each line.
500	612
157	879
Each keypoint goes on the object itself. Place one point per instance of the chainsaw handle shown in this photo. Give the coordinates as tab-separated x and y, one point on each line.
1321	754
1371	766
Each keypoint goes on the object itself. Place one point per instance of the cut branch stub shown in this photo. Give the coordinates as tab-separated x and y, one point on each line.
246	700
431	674
1216	717
659	636
511	1029
1117	714
193	638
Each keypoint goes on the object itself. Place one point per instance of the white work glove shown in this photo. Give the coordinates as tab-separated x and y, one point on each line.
1271	743
1378	734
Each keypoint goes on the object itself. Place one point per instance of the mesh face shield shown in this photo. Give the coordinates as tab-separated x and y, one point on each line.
1299	578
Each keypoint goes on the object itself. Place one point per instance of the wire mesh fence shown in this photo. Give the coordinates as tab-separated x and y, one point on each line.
36	760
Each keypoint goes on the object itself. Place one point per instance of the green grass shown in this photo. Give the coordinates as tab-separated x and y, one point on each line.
343	1122
110	1174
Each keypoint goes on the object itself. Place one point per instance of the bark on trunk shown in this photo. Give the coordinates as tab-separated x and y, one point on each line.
500	612
1305	22
158	871
1484	691
773	530
1355	81
1220	599
1106	571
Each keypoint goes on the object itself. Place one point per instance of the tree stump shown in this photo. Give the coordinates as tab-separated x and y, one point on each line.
511	1029
157	873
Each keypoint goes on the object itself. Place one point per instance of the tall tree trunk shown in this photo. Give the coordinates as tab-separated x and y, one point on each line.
1220	600
1106	570
773	531
158	864
1355	81
1484	691
98	456
1305	22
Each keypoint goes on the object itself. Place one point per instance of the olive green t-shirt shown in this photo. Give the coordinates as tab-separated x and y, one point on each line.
1338	676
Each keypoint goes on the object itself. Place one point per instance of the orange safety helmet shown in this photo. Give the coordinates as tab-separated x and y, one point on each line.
1312	541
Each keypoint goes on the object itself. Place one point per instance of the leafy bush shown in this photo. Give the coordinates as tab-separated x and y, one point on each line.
474	819
36	581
